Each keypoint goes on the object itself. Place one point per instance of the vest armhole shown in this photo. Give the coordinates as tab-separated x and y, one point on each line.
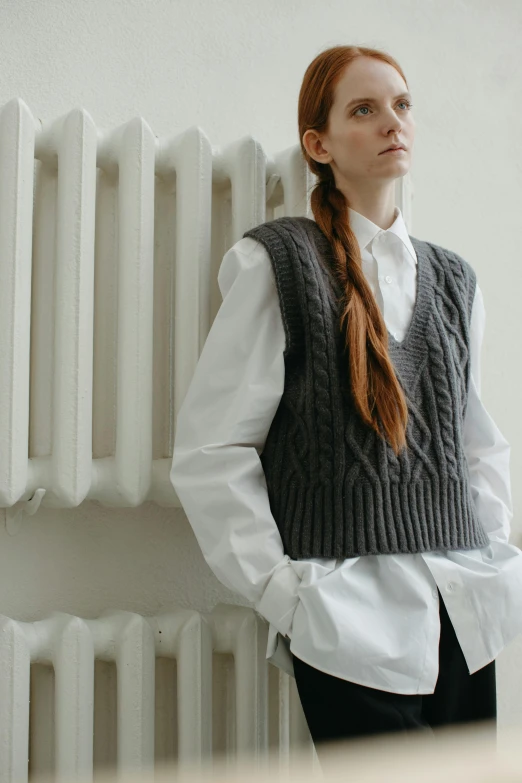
284	274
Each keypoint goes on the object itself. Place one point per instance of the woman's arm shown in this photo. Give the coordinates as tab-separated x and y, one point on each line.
221	430
487	451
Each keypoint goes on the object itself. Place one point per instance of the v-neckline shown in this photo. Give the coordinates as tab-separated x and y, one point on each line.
422	303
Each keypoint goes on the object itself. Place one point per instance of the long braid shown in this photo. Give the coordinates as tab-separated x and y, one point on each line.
377	394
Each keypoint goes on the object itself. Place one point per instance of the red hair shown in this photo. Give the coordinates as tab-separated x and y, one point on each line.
376	391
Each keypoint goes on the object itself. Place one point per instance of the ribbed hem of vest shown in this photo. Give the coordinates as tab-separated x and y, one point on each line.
385	518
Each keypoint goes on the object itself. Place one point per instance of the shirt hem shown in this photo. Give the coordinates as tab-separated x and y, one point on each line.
417	692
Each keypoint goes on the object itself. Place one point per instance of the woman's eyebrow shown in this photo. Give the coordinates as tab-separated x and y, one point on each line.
373	100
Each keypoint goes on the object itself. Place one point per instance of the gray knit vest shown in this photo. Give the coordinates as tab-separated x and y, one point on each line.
336	488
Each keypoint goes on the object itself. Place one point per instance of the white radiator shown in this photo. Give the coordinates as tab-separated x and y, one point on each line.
131	693
129	231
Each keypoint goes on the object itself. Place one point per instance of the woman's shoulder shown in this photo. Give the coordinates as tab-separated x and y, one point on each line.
444	255
245	246
283	224
247	256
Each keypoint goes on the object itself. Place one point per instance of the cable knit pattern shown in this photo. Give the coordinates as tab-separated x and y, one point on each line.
337	489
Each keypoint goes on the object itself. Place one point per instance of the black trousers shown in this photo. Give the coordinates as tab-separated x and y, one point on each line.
338	709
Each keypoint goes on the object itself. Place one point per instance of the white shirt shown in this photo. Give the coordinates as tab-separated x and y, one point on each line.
372	619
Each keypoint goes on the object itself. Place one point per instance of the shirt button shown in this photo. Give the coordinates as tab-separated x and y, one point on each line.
450	587
434	593
388	279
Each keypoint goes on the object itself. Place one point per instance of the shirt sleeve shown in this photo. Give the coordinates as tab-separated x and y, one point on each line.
221	430
487	450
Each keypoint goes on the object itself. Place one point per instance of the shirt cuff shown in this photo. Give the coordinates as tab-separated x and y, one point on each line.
279	600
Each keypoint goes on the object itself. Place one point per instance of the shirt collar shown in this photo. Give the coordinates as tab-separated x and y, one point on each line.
365	231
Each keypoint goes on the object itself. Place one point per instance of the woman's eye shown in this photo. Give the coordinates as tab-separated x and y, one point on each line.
406	103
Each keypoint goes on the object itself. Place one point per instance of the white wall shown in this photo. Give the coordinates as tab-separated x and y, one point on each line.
235	68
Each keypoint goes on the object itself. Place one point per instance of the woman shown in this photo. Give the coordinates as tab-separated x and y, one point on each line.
333	455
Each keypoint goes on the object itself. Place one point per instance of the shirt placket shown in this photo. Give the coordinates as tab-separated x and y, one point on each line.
383	253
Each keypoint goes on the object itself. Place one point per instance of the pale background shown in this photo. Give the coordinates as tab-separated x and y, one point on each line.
235	68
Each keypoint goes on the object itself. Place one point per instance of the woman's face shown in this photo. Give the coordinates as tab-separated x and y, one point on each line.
359	130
